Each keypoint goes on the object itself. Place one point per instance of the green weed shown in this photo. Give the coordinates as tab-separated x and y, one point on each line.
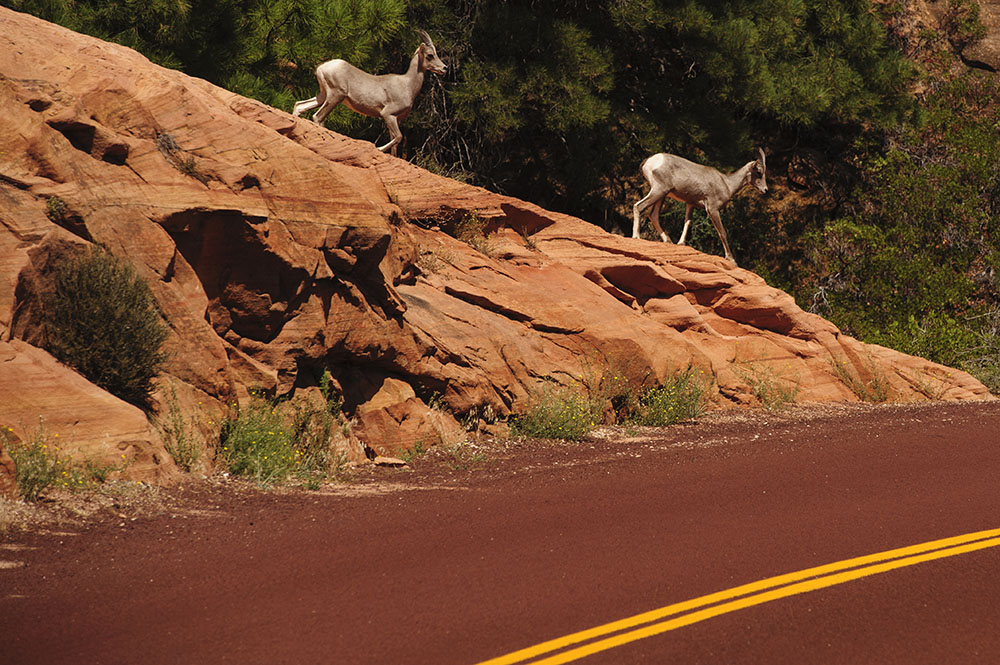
773	391
682	397
556	413
180	435
313	429
271	441
40	466
256	442
410	454
471	229
463	456
875	389
55	209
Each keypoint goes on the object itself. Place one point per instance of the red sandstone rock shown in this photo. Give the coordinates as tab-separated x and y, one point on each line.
41	396
8	474
277	250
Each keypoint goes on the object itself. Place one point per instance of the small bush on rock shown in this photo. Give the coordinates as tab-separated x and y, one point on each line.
39	467
556	413
272	441
682	397
180	434
257	443
102	320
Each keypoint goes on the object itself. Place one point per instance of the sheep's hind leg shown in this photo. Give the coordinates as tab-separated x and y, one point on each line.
303	106
642	206
687	225
654	217
326	103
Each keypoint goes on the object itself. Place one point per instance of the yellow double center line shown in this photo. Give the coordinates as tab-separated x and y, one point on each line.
692	611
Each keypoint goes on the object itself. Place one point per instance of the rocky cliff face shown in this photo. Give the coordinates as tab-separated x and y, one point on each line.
277	249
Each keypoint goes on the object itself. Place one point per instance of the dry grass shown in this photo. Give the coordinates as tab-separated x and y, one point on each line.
122	500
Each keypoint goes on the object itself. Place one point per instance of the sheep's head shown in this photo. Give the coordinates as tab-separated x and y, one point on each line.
758	173
431	61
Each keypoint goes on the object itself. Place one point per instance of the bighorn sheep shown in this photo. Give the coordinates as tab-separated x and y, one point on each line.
695	185
386	96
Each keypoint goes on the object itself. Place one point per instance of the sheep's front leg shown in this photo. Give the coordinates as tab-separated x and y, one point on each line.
394	133
717	223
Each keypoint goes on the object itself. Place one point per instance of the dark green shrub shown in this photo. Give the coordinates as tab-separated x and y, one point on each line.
912	264
102	320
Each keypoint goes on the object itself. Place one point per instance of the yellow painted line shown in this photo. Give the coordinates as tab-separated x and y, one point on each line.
746	595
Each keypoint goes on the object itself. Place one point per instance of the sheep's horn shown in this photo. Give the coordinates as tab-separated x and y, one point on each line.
763	161
425	38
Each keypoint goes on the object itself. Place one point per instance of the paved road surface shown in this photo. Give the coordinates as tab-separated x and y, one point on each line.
544	542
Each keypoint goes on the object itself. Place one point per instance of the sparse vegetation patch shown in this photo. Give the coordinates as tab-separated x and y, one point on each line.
272	441
875	388
39	466
682	397
768	386
180	434
55	209
471	229
556	413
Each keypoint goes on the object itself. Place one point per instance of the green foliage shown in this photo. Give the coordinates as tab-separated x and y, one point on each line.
55	209
39	467
102	320
868	384
962	24
682	397
180	434
555	102
568	413
471	229
256	442
768	386
314	427
982	358
556	413
558	102
272	441
463	456
410	454
913	264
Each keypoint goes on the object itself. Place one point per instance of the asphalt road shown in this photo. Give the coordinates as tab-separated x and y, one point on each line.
446	566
